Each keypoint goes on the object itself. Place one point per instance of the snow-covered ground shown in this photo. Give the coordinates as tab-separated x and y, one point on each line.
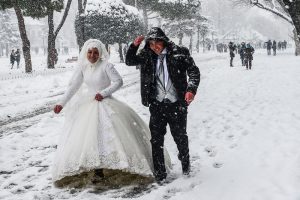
243	129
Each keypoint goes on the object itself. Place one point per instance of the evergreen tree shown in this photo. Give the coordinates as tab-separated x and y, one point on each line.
180	16
146	6
80	23
110	22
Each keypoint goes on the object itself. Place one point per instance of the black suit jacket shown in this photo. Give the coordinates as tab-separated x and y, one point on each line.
180	66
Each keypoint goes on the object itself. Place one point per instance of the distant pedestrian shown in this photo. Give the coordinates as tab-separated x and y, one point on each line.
242	52
284	43
249	50
18	57
232	49
12	58
279	45
208	46
269	46
125	48
225	47
274	47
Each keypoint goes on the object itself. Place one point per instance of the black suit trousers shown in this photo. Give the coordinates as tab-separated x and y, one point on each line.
174	114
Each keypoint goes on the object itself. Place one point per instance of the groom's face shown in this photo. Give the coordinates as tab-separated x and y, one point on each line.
157	46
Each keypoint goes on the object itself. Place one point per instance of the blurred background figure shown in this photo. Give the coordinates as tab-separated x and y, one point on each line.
232	48
12	58
18	57
249	51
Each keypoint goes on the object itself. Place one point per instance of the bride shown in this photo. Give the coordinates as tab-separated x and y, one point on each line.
101	134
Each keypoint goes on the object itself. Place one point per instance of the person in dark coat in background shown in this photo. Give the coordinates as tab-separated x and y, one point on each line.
165	88
274	47
249	51
284	43
269	46
279	45
18	57
232	49
242	52
12	58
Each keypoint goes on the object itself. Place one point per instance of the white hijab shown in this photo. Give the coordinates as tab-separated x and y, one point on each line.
89	44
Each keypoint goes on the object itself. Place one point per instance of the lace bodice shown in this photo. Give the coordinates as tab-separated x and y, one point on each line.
103	79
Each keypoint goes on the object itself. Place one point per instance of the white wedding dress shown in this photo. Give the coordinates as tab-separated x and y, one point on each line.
101	134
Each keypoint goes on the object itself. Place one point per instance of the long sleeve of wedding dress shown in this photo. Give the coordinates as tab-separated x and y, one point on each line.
73	87
115	78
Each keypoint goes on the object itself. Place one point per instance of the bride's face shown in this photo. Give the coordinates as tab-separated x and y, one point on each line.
93	55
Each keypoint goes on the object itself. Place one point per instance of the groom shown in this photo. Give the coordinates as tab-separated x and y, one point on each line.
164	87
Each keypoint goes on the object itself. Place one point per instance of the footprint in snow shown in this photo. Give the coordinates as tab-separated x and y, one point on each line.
171	192
10	186
230	136
18	191
27	187
217	165
211	151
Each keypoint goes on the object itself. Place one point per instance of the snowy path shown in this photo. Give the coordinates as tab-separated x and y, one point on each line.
243	129
251	118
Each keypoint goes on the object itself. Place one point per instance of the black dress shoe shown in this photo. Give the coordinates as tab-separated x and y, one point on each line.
160	178
186	167
98	177
99	172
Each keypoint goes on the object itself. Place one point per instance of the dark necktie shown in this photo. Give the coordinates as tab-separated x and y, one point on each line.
161	71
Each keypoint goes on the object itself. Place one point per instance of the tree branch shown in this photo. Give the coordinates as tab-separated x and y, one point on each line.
259	5
63	18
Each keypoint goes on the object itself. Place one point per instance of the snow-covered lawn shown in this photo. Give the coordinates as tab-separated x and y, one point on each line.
243	127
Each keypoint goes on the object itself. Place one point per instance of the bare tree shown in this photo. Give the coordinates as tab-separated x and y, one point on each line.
25	40
285	9
53	34
81	10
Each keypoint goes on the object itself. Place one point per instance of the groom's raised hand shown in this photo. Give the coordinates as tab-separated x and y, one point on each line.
138	40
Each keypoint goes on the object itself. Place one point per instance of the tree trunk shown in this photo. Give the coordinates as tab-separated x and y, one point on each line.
25	40
6	50
145	17
212	41
203	41
180	36
294	11
198	40
52	53
81	37
297	43
107	48
51	41
191	44
121	53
